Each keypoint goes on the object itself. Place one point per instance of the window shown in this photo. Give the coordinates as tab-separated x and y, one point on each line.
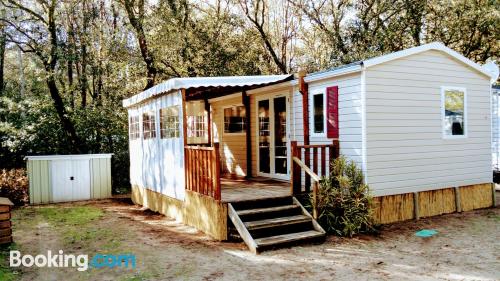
196	126
148	125
454	106
318	114
234	119
169	122
133	128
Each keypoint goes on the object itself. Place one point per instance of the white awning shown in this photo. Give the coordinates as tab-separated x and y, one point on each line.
205	82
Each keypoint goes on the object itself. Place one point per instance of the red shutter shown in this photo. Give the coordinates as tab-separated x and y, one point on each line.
332	112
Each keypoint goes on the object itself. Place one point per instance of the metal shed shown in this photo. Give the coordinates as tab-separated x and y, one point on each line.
64	178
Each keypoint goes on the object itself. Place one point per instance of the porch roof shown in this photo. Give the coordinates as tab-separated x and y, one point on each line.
196	86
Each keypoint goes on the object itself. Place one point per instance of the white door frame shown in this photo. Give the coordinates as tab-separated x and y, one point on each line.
272	169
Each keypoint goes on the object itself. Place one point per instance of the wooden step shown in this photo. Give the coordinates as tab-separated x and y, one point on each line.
288	238
266	210
262	203
280	221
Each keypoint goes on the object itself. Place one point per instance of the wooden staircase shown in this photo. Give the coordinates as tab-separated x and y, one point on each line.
270	223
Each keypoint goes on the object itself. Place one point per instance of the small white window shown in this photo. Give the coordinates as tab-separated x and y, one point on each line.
134	130
318	114
169	122
454	112
148	125
234	119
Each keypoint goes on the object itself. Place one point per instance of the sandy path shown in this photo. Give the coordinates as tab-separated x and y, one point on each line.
466	248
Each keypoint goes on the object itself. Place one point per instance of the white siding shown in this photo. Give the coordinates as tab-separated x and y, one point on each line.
233	149
158	164
350	124
405	148
495	146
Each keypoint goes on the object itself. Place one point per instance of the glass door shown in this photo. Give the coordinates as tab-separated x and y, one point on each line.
264	137
280	137
273	140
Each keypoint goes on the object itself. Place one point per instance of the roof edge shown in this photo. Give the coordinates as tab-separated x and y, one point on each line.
438	46
332	73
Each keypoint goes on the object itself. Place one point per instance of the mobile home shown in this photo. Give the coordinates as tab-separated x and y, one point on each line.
222	151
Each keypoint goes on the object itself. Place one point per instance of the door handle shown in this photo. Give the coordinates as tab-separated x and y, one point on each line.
71	178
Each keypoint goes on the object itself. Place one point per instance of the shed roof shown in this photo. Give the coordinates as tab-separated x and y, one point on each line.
206	83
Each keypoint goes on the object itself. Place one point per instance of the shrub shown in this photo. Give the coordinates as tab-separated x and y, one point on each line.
14	185
344	200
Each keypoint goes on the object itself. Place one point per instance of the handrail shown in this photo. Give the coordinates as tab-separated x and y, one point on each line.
321	162
315	183
306	169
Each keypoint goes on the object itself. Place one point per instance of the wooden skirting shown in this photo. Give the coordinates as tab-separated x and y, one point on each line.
197	210
206	214
401	207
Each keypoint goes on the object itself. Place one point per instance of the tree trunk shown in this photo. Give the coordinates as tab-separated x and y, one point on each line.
136	22
2	59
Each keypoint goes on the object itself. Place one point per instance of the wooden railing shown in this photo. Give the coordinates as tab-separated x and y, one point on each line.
322	156
203	170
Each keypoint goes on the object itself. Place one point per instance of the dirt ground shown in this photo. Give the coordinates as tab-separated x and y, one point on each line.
467	247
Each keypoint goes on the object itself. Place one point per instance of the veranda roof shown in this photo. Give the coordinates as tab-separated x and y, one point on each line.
206	84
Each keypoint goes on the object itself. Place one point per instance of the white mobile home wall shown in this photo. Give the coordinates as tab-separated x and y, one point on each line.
405	149
158	164
350	115
495	115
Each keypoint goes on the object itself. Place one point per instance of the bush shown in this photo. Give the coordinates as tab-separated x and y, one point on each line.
14	185
344	200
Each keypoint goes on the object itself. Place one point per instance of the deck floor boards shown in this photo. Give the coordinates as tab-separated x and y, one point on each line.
247	189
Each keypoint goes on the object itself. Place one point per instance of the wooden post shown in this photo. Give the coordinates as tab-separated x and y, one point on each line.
209	122
248	135
295	183
188	171
315	200
303	88
493	194
458	203
217	186
415	206
334	151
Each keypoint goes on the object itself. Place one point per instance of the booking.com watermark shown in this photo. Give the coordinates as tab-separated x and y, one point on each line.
80	262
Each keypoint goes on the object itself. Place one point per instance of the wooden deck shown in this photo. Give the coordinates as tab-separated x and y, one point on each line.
243	189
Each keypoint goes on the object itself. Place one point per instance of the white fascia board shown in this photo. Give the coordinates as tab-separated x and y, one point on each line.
333	73
431	46
69	157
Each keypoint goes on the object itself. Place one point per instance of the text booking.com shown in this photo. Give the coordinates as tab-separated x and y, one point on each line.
80	262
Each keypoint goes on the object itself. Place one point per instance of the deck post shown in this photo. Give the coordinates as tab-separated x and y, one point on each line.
187	168
315	200
295	183
303	89
246	103
209	122
217	185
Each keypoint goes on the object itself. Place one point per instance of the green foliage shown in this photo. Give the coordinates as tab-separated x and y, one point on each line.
7	273
14	185
344	200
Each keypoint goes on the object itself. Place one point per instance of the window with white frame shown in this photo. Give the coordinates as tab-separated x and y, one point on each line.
234	119
148	125
454	112
196	126
133	128
169	122
318	111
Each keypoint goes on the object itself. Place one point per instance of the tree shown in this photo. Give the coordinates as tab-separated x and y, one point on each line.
41	38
